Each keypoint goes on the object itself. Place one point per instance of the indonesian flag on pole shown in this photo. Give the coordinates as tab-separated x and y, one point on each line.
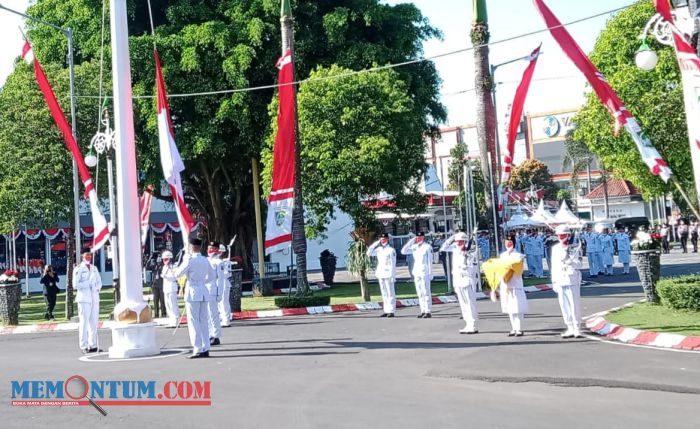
170	157
145	211
99	222
607	96
516	115
278	233
689	64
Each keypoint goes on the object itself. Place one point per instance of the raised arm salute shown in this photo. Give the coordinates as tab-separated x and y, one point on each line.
422	271
385	272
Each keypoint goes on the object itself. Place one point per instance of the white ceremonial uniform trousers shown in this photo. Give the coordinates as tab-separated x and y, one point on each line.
172	308
225	307
88	313
388	295
467	303
214	318
570	304
198	325
516	321
425	299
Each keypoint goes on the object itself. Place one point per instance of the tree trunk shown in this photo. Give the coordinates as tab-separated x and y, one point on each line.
364	286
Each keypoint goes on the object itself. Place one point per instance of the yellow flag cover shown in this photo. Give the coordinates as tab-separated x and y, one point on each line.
497	269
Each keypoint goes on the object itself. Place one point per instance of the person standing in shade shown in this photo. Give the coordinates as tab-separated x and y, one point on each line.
512	292
607	247
225	282
215	287
154	265
664	232
566	281
693	232
683	234
465	274
421	271
198	271
87	283
624	249
484	246
49	280
170	289
385	272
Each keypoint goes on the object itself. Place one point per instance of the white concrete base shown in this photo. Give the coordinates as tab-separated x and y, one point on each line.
133	340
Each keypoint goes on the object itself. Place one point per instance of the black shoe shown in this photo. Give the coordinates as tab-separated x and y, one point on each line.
420	316
427	316
198	355
511	333
384	315
390	315
215	342
46	316
519	334
94	350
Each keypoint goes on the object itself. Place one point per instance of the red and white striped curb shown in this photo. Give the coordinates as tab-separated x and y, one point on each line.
599	325
262	314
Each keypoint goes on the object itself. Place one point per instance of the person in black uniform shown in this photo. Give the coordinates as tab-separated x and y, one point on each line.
155	265
50	280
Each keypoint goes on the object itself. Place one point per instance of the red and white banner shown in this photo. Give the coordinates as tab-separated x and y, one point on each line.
607	96
280	203
689	64
516	115
169	155
98	219
145	211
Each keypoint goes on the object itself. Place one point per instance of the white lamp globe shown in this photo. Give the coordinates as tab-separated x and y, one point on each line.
646	59
91	160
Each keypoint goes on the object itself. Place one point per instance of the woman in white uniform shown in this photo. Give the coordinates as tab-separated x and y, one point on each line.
512	292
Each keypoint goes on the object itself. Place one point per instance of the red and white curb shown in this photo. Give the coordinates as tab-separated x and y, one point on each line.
262	314
598	324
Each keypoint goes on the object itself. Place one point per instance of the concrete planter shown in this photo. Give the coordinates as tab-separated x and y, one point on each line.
649	267
10	298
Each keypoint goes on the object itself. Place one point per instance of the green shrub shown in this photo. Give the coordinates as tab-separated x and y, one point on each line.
302	301
681	292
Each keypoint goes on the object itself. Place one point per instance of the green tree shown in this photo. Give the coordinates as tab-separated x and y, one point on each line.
455	174
654	97
207	46
533	172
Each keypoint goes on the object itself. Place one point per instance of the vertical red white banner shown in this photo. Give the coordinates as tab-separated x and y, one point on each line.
280	203
99	222
689	65
623	118
170	157
145	212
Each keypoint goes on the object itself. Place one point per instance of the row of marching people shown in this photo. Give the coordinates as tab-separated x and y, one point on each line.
503	274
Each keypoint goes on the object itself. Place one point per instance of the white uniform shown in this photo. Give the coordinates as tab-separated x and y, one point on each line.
566	282
198	271
224	276
87	283
512	292
465	274
170	288
385	273
623	251
421	271
216	294
607	251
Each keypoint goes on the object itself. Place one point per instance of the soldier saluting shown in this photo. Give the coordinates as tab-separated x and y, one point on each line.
385	272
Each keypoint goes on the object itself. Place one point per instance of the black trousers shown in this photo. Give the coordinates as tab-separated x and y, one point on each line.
158	299
50	300
684	243
694	240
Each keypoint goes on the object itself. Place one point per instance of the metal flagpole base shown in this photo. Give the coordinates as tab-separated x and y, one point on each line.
134	340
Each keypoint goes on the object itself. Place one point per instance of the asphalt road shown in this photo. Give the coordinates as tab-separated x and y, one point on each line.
352	370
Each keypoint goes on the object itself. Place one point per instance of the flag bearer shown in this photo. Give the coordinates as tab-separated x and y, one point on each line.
465	274
566	281
422	253
216	291
385	272
512	292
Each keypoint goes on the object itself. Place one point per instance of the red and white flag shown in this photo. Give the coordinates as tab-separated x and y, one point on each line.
607	96
516	115
170	157
280	203
145	211
689	64
98	220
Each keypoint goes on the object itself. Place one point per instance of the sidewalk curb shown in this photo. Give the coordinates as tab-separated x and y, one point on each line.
262	314
597	324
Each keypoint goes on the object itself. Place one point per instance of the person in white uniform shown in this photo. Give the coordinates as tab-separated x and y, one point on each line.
216	291
87	283
512	292
566	281
198	271
465	274
170	289
385	272
225	282
421	271
607	246
624	249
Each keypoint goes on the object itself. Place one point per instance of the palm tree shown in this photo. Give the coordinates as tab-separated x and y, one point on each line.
485	114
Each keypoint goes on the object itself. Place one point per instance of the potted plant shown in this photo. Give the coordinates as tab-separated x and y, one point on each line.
646	249
328	264
10	297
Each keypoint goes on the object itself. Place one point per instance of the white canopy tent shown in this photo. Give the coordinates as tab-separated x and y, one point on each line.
542	215
566	216
520	220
